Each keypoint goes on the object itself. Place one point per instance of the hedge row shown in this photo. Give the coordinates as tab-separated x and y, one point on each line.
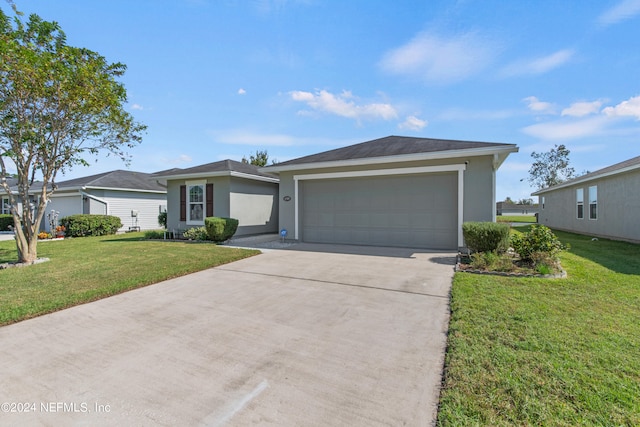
486	236
6	220
90	225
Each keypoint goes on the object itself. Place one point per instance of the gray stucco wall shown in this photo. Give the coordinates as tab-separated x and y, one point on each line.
618	208
479	187
255	205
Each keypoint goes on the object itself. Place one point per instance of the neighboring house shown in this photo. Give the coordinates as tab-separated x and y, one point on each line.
506	208
224	189
604	203
5	204
393	191
136	197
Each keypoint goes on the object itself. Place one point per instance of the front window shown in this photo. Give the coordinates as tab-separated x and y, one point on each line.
580	202
5	207
195	203
593	202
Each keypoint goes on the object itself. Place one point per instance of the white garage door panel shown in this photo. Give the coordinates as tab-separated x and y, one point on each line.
407	211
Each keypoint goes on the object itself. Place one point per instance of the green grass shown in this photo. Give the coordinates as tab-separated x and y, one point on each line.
516	218
556	352
86	269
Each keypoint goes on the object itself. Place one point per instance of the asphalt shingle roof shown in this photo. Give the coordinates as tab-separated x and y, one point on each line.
115	179
635	161
220	166
391	146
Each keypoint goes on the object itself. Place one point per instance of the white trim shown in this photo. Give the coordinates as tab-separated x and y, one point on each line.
500	152
205	175
460	168
90	196
199	183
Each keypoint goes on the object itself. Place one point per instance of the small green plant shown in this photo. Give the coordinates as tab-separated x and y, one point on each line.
486	236
162	219
491	261
196	233
539	240
220	229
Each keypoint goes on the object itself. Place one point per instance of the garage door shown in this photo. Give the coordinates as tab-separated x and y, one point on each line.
417	211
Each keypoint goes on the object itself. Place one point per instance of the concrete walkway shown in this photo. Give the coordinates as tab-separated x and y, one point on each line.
313	335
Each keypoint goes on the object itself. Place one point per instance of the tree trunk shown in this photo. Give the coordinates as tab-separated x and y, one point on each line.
27	246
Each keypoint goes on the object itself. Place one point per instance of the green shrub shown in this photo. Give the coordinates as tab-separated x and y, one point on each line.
162	219
5	221
90	225
539	240
220	229
154	234
486	236
196	233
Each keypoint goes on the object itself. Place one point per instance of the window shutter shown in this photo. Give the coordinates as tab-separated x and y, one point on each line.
209	198
183	203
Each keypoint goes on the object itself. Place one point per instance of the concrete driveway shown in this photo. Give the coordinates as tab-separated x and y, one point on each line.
315	335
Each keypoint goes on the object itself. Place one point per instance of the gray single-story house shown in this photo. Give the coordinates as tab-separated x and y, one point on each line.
392	191
604	203
224	189
506	208
135	197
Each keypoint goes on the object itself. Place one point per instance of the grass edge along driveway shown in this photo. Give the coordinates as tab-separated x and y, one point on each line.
559	352
85	269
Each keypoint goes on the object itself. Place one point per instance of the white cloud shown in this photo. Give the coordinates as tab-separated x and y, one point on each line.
538	65
562	130
136	107
623	10
630	107
580	109
344	105
241	91
540	107
413	123
440	60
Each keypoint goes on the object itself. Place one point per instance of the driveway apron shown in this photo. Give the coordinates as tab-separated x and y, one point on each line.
314	335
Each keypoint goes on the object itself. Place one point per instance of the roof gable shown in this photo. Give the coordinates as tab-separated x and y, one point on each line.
222	167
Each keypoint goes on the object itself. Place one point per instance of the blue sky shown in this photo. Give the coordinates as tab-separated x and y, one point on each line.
217	79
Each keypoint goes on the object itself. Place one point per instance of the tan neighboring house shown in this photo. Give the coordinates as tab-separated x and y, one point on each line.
392	191
604	203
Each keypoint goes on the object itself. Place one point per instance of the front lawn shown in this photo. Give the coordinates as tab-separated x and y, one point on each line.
561	352
86	269
516	218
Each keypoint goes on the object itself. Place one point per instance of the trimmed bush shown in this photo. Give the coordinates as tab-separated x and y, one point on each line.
5	221
220	229
539	240
90	225
486	236
154	234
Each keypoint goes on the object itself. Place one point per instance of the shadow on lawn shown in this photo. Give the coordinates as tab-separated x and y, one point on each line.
621	257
